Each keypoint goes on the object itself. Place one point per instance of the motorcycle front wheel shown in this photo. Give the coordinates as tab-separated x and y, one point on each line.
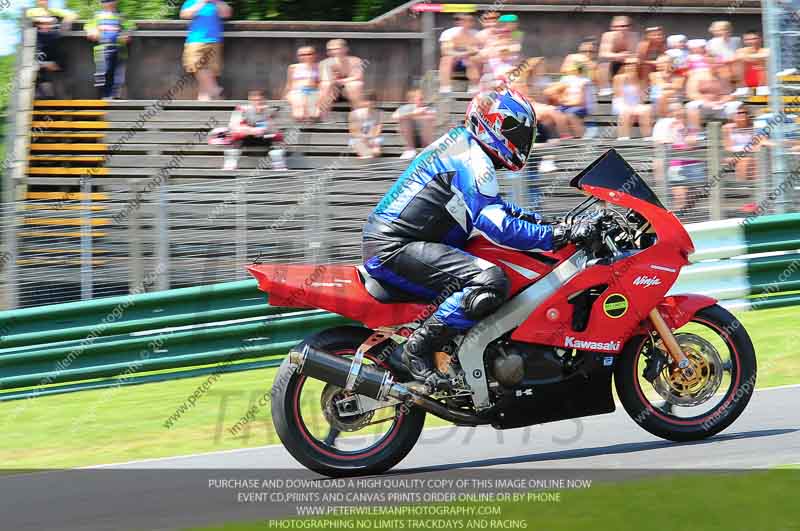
308	425
670	405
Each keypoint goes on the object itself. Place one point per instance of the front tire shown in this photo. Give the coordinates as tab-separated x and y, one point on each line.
325	458
735	384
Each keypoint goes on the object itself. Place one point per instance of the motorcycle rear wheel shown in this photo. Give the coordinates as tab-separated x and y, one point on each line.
320	454
730	378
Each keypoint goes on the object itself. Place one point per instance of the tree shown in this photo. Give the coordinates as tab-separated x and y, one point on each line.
359	10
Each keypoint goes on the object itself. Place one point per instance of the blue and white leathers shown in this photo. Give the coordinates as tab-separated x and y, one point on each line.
413	238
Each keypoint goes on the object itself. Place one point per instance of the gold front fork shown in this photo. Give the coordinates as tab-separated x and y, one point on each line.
667	337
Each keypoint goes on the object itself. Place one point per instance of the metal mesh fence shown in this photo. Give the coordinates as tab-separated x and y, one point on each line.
153	234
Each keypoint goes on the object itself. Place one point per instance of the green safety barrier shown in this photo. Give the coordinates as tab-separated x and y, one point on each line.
229	327
125	340
751	263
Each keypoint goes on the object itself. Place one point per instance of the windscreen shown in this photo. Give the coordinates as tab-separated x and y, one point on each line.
612	172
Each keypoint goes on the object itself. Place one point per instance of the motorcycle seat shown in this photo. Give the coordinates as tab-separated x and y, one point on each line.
384	292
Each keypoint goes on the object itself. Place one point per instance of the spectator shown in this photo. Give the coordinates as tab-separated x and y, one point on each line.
416	122
540	81
665	86
737	137
459	50
649	50
508	33
501	65
709	104
48	21
722	53
341	75
627	102
678	52
683	170
487	39
616	46
575	99
698	69
549	119
490	32
365	129
697	58
202	53
753	59
250	125
111	33
302	86
584	56
520	75
504	67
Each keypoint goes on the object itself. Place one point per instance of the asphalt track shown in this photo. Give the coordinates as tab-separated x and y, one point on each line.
175	493
767	434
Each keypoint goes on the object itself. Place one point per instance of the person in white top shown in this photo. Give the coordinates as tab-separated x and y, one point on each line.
628	100
302	86
722	52
459	48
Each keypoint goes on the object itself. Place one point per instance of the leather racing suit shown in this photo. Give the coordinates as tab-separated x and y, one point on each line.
414	239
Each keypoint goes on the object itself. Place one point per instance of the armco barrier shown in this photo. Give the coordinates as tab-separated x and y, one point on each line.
750	263
123	340
230	327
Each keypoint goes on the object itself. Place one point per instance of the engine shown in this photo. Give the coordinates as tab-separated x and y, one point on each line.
533	384
510	364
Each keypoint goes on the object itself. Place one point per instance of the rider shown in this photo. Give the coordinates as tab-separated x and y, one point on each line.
414	239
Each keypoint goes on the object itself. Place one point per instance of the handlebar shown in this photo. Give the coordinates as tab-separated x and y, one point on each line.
608	227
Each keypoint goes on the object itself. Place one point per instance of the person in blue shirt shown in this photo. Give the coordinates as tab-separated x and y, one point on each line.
202	53
111	33
413	240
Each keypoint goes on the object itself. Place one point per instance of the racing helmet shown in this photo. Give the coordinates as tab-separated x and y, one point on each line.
504	124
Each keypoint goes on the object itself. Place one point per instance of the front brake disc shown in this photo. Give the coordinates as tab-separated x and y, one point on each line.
677	389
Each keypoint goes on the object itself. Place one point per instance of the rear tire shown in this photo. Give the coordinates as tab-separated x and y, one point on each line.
737	395
330	461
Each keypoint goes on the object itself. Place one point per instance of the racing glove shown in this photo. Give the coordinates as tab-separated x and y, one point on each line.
560	235
580	230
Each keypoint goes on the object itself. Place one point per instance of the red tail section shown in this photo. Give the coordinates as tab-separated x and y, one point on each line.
336	288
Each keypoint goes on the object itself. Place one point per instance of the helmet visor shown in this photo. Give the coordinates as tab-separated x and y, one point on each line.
520	134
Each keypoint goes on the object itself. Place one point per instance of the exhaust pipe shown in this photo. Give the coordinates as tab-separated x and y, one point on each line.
373	382
350	375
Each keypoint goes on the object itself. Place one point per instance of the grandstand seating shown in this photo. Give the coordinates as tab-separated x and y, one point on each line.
112	143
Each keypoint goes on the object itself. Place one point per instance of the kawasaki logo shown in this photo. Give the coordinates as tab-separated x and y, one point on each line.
644	280
571	342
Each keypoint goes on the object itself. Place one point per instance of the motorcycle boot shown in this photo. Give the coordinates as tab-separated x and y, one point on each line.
415	356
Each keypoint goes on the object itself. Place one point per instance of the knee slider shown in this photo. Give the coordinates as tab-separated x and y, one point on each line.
490	292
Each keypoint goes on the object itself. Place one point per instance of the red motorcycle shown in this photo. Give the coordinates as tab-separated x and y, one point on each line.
684	367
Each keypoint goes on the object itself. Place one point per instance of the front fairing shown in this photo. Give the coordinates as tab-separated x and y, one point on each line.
612	179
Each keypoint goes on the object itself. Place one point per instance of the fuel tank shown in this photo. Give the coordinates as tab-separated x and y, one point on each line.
523	268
